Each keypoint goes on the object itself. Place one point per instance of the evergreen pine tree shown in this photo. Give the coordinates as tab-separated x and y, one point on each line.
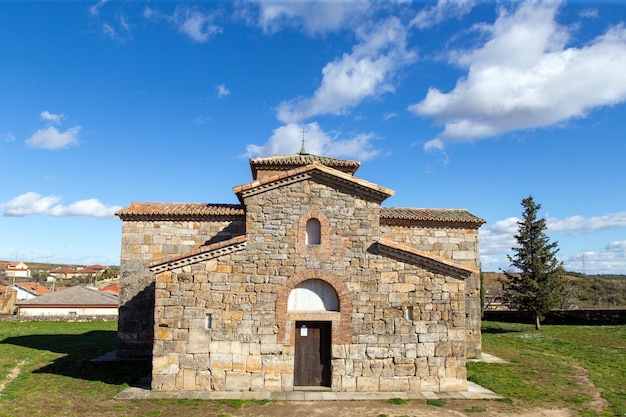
541	284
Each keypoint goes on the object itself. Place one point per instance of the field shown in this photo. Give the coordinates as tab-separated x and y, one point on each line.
559	371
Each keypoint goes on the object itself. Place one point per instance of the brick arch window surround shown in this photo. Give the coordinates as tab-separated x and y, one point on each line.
342	329
313	233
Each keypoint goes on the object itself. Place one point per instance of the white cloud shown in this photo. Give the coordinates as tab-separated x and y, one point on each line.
577	225
53	118
313	17
9	137
543	83
611	259
200	120
50	138
288	140
497	239
367	71
430	16
95	9
33	203
589	13
390	115
194	23
222	91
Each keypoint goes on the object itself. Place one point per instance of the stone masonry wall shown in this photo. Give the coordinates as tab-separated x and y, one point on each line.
407	323
144	241
460	245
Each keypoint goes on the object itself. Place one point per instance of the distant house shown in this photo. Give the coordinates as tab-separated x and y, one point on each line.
28	290
96	269
17	270
73	301
65	272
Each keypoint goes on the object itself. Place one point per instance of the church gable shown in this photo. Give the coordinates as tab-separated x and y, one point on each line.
318	173
312	217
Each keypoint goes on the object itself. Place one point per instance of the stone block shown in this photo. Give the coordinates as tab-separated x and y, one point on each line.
165	365
194	346
203	380
163	333
238	381
274	364
273	382
367	384
425	350
394	384
339	351
452	385
443	349
430	383
428	337
236	315
253	364
357	351
189	379
376	352
348	383
221	361
239	362
405	369
271	348
164	382
287	382
257	382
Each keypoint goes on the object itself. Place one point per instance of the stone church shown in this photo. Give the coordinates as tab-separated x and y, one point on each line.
307	282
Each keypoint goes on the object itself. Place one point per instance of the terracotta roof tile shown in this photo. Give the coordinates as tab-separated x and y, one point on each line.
297	160
179	210
34	288
408	215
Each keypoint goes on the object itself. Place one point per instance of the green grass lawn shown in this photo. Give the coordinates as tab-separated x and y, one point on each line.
54	366
551	365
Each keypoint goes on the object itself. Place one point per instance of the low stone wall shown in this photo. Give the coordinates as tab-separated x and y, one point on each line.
69	319
581	317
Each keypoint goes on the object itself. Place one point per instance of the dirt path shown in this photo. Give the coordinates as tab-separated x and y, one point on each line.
15	372
597	403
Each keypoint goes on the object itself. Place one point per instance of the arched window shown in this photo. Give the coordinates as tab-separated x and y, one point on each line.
313	295
313	232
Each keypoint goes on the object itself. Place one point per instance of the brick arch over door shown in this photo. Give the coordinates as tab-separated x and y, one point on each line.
342	331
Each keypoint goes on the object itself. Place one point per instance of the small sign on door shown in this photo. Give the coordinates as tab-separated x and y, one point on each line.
303	331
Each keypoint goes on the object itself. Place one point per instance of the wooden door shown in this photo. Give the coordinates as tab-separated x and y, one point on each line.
312	354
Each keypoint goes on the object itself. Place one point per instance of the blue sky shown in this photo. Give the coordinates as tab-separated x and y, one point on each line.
460	104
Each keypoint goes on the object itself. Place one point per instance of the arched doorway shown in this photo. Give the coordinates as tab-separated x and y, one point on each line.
313	338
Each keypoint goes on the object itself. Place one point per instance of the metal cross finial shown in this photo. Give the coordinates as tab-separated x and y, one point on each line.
302	150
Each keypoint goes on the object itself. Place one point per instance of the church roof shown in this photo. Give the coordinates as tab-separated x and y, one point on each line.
164	211
315	170
287	162
203	253
401	215
425	259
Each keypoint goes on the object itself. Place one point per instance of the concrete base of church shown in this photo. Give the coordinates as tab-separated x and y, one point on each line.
473	392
